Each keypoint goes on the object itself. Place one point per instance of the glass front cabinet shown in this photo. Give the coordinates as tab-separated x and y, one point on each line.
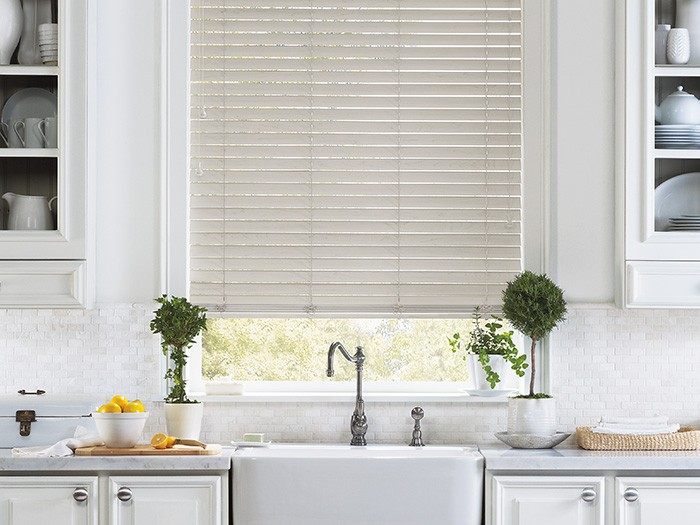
658	135
44	158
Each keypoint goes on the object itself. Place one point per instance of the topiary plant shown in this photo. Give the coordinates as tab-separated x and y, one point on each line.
178	322
533	305
487	340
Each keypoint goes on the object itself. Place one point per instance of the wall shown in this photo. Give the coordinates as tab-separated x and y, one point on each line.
604	360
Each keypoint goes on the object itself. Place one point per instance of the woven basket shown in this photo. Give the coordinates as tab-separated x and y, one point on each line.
685	439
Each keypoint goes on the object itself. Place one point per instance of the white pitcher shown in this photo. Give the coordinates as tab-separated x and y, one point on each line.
29	212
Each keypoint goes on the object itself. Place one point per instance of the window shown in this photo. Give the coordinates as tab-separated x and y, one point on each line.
353	159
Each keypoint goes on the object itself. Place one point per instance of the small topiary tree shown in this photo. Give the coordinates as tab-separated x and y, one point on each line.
178	322
533	305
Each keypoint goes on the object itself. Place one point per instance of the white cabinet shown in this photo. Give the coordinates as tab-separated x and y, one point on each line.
175	500
662	500
546	500
48	499
47	268
658	260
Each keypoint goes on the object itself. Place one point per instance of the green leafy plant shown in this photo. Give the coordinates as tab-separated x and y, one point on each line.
533	305
487	340
178	322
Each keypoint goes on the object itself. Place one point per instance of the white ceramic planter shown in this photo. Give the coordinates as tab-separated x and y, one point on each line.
477	376
184	420
532	416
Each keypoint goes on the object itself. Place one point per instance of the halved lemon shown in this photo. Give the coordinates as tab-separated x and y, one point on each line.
159	441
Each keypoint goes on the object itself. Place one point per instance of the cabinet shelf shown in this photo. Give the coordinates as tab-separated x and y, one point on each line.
28	152
677	153
39	71
677	71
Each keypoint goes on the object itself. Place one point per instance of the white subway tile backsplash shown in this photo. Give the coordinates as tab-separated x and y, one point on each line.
603	361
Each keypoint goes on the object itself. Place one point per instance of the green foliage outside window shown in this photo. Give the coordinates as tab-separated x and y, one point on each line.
398	350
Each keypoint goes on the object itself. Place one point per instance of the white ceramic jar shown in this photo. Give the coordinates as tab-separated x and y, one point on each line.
10	28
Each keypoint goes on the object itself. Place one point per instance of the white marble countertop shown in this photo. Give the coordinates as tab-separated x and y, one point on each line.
170	464
504	458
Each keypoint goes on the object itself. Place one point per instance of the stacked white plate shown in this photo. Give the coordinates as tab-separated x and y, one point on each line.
678	136
677	203
48	43
684	223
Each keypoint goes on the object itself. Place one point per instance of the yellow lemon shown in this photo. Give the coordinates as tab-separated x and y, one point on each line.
134	407
119	400
110	408
159	441
171	442
138	401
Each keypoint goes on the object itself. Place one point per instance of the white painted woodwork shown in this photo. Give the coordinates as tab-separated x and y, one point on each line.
47	499
662	500
181	500
42	284
546	500
656	268
60	172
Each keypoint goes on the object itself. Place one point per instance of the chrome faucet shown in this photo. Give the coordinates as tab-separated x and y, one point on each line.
358	421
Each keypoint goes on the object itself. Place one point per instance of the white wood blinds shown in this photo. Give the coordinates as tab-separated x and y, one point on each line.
354	157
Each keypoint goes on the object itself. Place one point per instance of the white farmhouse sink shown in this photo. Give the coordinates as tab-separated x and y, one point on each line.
345	485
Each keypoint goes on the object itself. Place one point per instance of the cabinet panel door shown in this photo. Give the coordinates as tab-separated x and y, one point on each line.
41	500
182	500
547	500
653	501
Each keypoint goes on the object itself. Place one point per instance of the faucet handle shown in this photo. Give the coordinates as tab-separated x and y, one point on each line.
417	413
417	435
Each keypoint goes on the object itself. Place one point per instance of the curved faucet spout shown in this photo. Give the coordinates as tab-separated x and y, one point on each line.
358	422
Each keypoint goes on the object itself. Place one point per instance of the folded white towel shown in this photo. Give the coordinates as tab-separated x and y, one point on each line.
65	447
637	430
632	421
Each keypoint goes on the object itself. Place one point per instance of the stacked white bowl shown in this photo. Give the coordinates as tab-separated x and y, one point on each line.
48	43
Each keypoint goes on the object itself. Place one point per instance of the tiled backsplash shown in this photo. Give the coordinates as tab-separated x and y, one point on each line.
604	361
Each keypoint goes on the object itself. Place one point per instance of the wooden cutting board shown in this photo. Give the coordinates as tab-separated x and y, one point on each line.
148	450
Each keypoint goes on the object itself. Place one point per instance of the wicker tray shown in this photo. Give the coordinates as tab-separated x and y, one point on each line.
685	439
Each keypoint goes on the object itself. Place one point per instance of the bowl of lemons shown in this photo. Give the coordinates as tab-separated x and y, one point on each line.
120	422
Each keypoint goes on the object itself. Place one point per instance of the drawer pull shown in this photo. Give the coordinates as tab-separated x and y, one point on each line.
589	495
80	494
631	495
124	494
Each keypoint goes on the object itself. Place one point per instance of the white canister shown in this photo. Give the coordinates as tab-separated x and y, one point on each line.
678	46
661	37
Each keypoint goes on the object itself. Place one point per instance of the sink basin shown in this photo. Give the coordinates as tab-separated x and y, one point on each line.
344	485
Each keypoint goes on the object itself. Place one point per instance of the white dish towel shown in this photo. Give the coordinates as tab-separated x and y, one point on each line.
65	447
635	425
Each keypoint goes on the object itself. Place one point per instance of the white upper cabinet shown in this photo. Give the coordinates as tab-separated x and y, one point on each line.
659	159
44	154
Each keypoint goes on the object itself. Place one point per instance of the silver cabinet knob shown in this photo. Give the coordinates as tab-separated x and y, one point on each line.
588	495
80	494
124	494
631	495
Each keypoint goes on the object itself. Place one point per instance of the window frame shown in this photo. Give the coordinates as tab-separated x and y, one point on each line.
536	209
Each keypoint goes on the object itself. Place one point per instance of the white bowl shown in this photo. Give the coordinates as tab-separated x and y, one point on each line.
120	430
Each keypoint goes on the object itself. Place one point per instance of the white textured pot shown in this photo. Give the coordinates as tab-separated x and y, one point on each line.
10	28
688	16
477	376
184	420
532	416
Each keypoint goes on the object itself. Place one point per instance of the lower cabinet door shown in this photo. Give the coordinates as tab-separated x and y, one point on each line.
547	500
54	500
171	500
663	501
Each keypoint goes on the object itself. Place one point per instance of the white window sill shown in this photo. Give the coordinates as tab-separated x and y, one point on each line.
347	397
